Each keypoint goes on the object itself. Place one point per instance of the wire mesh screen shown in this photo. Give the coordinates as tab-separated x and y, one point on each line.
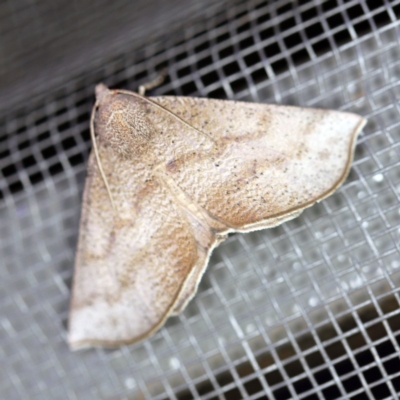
307	310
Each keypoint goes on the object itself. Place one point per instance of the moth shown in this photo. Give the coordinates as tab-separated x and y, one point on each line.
168	179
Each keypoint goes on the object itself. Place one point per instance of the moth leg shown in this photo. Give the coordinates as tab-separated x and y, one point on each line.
154	83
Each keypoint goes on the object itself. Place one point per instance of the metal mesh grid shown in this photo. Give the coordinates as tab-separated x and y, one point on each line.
308	310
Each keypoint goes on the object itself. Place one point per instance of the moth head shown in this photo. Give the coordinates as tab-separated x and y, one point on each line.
121	121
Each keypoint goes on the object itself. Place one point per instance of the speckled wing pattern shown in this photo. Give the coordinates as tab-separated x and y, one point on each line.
182	173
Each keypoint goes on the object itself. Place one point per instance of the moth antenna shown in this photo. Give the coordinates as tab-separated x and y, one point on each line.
166	110
97	155
154	83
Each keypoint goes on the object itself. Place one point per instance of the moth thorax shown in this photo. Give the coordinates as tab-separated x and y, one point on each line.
124	126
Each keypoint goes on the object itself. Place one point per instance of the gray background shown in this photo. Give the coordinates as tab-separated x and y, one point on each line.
308	310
